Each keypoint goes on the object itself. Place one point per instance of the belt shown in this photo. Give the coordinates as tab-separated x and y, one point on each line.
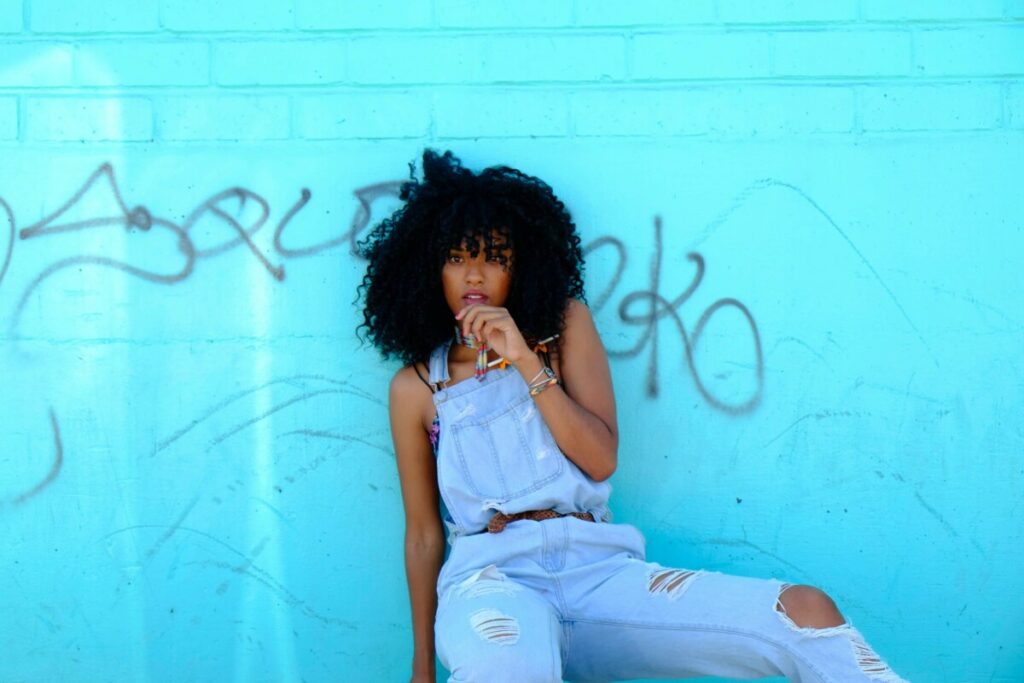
500	520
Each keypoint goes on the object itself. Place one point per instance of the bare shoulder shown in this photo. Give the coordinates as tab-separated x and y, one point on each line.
580	329
584	364
405	384
575	308
408	392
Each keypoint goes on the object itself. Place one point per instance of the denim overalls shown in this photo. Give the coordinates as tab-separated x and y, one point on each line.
576	599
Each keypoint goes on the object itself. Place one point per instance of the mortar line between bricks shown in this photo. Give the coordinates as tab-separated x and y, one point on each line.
584	30
708	137
417	87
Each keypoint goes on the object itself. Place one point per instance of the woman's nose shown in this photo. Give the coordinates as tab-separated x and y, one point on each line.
474	271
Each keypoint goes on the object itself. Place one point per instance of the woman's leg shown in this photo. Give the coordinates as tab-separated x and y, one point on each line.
494	630
643	620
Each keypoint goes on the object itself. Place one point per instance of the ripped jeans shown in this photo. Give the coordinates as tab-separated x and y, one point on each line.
576	599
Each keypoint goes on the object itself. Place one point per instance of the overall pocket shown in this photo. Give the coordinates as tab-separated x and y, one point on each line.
507	454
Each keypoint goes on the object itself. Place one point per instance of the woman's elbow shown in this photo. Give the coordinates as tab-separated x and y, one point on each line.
607	467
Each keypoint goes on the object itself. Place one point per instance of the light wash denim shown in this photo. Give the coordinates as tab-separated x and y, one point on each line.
567	598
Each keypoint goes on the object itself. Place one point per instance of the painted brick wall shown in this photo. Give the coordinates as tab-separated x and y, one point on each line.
196	476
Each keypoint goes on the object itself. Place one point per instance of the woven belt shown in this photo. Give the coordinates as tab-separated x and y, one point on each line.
500	520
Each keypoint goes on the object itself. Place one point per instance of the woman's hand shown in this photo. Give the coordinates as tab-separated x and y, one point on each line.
494	325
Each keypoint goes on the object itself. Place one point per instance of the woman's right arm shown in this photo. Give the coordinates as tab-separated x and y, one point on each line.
424	535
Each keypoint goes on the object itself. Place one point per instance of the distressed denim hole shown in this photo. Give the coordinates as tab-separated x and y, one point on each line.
487	581
868	661
494	627
779	607
671	582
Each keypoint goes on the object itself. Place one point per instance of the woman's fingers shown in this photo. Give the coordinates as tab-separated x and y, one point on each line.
472	314
489	320
481	321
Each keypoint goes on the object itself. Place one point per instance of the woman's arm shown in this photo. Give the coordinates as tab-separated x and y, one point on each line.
581	416
424	536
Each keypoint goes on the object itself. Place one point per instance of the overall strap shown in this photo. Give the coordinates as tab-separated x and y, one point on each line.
439	365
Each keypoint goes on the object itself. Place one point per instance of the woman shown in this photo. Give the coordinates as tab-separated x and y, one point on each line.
504	426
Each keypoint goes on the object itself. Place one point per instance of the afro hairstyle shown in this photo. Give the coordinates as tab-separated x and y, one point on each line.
405	314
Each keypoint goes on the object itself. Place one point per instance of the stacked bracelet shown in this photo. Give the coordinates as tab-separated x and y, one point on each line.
539	385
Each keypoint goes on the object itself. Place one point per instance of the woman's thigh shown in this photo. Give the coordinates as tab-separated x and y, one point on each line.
490	628
643	620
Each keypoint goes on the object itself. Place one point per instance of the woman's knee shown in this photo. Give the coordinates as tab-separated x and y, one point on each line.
809	607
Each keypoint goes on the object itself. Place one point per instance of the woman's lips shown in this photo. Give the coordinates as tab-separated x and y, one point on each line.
475	298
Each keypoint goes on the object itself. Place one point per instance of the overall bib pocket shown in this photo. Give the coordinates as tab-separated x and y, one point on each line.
507	454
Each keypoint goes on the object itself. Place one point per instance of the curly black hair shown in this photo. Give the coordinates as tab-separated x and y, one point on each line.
405	313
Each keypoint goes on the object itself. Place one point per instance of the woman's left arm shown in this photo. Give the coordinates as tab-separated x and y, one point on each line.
581	412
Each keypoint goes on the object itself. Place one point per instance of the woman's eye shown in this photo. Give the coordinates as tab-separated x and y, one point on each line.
453	258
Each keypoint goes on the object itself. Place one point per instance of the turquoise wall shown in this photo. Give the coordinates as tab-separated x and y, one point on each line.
196	473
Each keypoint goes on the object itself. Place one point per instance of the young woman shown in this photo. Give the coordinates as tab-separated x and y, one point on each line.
503	421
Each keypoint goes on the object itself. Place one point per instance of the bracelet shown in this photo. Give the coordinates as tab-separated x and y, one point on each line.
542	386
539	373
549	379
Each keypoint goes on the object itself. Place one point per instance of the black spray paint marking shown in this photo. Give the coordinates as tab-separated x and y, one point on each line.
248	568
58	463
764	183
292	380
360	220
321	434
946	525
140	218
301	471
10	238
660	307
164	537
280	406
822	415
213	205
744	543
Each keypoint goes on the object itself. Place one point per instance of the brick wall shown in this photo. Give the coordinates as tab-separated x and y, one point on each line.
196	475
447	70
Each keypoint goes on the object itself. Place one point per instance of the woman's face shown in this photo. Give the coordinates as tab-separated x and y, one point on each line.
481	279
